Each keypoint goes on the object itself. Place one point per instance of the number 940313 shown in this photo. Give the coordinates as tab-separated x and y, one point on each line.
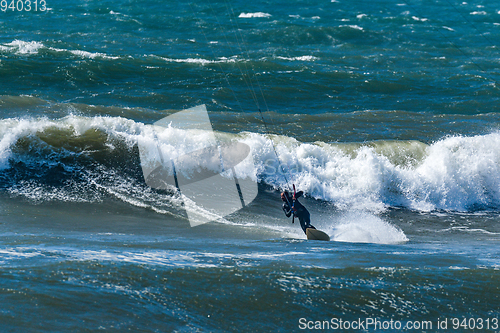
23	5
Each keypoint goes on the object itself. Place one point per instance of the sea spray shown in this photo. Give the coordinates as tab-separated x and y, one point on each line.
362	227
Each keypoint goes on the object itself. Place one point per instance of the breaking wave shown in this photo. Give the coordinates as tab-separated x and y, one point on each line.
79	158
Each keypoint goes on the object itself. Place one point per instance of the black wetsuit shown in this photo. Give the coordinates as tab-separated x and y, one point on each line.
300	212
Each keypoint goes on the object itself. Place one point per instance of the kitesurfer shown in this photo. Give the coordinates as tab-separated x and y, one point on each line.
292	205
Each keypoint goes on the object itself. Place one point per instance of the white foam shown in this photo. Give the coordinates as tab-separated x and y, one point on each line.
157	258
252	15
352	26
200	61
33	47
85	54
419	19
22	47
457	173
301	58
19	252
91	55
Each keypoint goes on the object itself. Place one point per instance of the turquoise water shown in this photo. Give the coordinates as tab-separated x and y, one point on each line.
383	112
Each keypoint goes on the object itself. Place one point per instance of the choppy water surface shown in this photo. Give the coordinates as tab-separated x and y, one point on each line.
384	113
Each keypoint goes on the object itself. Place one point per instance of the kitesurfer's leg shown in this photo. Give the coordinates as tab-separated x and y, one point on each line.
303	224
307	222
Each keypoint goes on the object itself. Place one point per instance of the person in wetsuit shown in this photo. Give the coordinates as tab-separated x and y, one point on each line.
291	205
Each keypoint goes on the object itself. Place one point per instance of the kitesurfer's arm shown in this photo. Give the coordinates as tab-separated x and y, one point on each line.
287	209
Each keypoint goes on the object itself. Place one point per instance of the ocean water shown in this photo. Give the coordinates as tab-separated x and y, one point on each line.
385	113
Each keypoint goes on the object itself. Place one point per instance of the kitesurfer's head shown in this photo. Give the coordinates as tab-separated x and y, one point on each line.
285	196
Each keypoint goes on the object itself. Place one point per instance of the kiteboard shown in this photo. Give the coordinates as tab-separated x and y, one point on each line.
314	234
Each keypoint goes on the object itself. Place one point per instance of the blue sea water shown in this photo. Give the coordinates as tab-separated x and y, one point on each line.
385	113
